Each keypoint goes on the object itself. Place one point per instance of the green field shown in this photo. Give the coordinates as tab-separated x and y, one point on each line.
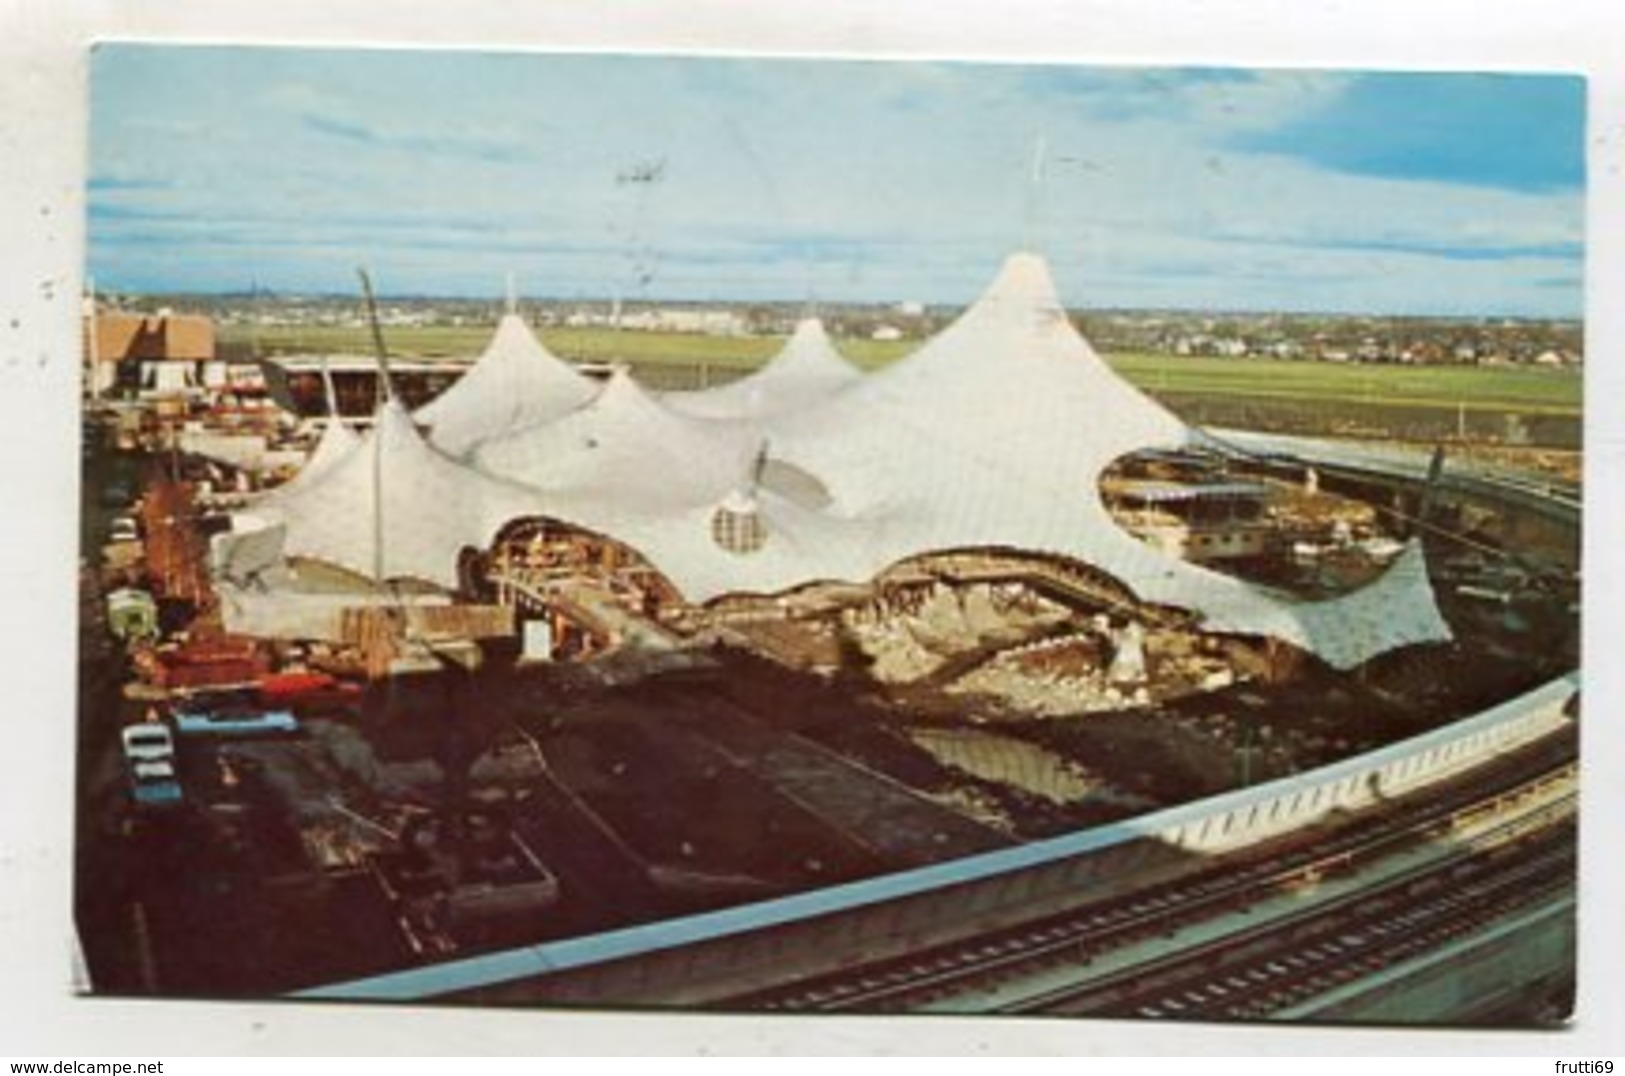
1526	390
740	353
693	359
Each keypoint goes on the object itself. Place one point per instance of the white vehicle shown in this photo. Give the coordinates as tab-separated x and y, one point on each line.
149	759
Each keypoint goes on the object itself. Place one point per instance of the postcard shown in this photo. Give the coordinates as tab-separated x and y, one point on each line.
743	534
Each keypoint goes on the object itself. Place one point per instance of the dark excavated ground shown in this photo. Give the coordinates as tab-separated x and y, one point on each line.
733	780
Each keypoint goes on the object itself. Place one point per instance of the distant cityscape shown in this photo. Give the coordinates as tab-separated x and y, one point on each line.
1374	338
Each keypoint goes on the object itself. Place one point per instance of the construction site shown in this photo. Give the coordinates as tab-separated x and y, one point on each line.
554	654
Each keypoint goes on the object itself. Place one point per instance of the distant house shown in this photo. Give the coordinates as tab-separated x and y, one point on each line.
156	354
672	320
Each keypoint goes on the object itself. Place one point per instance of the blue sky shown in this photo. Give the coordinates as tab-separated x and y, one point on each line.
216	168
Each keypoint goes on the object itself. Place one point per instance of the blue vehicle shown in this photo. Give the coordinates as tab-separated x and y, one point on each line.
233	712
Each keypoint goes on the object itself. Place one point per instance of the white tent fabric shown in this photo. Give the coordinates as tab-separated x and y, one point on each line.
395	507
336	442
624	447
627	466
807	371
993	434
516	382
251	555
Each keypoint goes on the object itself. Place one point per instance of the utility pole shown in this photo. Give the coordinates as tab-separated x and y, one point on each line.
1246	751
92	345
1430	491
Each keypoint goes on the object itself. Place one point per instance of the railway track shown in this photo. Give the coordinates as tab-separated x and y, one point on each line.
1533	785
1271	970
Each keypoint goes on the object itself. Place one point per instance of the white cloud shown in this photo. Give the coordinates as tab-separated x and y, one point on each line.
784	177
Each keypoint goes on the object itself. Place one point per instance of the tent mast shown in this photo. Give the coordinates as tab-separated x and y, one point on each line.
386	395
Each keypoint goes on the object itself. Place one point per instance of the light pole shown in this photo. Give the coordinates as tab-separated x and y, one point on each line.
1246	752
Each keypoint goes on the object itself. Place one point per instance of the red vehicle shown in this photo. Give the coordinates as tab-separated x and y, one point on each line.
307	691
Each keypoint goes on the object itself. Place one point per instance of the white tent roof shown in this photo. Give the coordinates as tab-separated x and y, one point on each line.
395	507
624	447
805	372
993	434
515	382
627	466
336	442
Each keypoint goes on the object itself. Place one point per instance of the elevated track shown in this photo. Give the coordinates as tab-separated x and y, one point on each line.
1122	948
